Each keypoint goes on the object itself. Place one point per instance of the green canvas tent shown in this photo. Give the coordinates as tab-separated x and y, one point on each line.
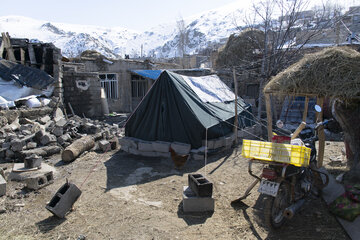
179	108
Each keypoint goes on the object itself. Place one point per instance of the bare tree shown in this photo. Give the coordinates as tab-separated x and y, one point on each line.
182	37
288	26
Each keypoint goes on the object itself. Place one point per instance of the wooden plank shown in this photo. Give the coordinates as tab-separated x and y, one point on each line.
2	47
269	116
32	54
22	56
8	46
236	108
306	107
321	133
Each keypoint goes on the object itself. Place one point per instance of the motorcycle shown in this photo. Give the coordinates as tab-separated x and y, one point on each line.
285	186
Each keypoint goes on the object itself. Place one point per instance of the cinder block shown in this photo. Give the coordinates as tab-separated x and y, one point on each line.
200	185
40	181
104	145
219	142
197	157
32	161
129	142
159	146
210	143
63	200
192	203
181	148
163	154
148	154
2	186
145	146
114	142
228	141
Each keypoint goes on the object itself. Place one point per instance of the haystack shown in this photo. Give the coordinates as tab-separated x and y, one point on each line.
333	72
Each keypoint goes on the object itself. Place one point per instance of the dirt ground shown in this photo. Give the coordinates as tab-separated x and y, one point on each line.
128	197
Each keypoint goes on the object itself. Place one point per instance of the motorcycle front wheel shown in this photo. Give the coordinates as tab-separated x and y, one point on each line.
274	207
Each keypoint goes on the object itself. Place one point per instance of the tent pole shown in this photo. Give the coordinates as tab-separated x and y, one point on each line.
205	150
269	117
236	108
306	107
321	134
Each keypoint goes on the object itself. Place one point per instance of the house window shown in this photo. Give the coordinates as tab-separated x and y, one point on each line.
138	86
109	82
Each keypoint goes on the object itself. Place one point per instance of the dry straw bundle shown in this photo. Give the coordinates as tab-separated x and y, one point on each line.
333	72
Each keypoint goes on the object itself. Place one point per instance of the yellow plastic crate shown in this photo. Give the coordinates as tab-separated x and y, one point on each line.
277	152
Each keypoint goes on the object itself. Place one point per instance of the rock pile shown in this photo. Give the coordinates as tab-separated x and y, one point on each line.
44	132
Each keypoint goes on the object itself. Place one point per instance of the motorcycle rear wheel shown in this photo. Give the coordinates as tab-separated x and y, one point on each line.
274	207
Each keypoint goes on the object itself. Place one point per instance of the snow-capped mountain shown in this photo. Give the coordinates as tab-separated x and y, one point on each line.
160	41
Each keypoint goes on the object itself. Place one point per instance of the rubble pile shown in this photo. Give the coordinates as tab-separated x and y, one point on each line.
41	133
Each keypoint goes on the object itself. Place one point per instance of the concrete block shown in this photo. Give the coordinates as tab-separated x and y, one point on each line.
228	141
47	138
145	146
129	141
181	148
104	145
163	154
39	181
148	154
160	146
133	151
198	157
58	131
201	186
63	200
61	122
124	148
219	142
32	161
63	138
2	186
192	203
58	114
210	143
114	142
17	145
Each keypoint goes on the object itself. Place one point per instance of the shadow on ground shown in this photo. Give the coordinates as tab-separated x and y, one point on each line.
49	223
124	169
193	218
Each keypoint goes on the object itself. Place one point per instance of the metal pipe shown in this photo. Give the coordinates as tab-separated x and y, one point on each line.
290	211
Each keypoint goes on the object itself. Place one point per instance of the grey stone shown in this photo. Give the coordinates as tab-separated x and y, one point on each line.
6	145
28	127
58	114
15	125
104	145
17	145
61	122
47	138
26	132
181	148
160	146
2	186
39	134
63	138
44	119
9	153
58	131
114	142
31	145
145	146
63	200
3	121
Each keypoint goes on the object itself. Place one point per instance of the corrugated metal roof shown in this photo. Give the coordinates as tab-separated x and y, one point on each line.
28	76
152	74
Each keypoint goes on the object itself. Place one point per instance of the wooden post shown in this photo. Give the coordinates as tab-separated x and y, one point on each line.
22	56
8	46
269	116
2	47
321	134
306	107
32	54
236	106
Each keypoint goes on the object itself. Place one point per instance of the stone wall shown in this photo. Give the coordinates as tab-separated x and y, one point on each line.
83	91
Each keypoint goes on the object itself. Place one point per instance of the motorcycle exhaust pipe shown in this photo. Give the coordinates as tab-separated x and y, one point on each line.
289	212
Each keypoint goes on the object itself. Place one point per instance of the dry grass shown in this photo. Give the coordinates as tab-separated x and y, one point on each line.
333	72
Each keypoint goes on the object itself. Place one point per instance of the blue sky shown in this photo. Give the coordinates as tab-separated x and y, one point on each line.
133	14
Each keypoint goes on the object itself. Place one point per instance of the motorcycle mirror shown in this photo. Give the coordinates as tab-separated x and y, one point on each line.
318	108
279	124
